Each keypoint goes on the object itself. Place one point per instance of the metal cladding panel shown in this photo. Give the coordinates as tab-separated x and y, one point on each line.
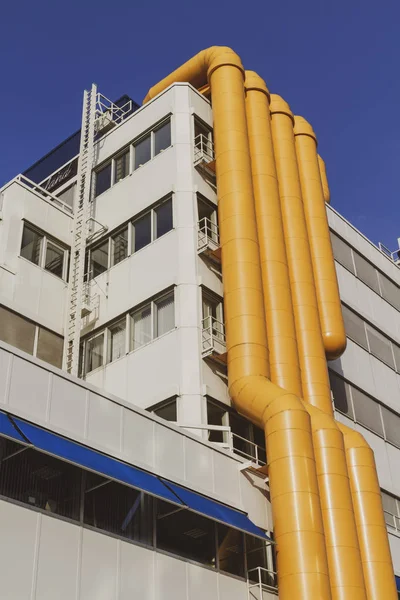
99	567
29	381
136	572
202	583
170	578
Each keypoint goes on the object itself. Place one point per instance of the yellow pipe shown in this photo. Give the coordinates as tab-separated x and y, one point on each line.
343	551
302	562
371	526
324	179
329	305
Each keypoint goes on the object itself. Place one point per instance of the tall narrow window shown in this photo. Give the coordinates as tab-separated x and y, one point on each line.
50	347
16	330
99	259
162	138
103	179
163	218
141	327
391	423
217	416
390	291
341	394
342	252
121	167
142	232
355	327
367	411
117	340
143	151
54	261
366	272
31	245
380	346
94	353
119	243
165	315
230	550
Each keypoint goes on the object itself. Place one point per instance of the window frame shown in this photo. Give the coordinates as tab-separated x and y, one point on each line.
44	240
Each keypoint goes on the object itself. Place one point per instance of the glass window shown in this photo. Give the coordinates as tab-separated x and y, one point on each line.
380	346
216	415
354	326
390	509
31	245
390	291
142	232
50	347
202	137
162	138
119	246
240	428
163	217
366	272
116	340
342	252
230	550
167	411
54	259
39	480
185	533
68	195
391	423
142	151
165	315
118	509
341	395
141	327
103	179
94	353
367	411
256	556
99	259
16	331
396	352
259	439
121	167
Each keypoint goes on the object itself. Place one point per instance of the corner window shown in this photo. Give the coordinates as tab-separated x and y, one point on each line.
163	218
103	179
121	166
164	315
116	340
44	251
166	410
141	327
162	138
142	151
94	353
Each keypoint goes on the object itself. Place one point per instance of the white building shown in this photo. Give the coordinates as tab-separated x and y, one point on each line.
95	472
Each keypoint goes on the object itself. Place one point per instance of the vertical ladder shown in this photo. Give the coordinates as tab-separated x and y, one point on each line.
80	232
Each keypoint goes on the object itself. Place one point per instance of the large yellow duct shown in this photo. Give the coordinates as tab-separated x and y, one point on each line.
324	179
329	306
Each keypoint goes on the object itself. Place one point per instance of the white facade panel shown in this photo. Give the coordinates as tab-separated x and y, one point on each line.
99	567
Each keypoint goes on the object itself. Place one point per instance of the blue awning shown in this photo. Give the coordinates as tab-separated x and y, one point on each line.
397	582
95	461
217	511
8	429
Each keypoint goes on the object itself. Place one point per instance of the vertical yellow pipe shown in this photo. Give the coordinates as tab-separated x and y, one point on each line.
344	558
281	333
324	179
329	305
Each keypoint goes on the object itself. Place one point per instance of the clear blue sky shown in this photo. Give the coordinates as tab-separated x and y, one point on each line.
335	62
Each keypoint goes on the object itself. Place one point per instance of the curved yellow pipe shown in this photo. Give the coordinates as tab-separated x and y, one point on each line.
371	526
329	305
324	179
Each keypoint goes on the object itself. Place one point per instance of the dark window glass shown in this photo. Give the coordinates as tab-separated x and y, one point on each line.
240	428
94	353
391	423
396	351
342	252
162	138
185	533
366	272
390	509
119	246
390	291
230	550
99	259
367	411
355	328
256	556
31	245
117	509
16	331
259	439
216	416
341	395
54	259
142	232
167	411
203	137
103	179
121	167
50	347
142	151
163	216
380	346
39	480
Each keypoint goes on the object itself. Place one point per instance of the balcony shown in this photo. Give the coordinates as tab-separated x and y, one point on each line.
208	239
213	343
260	580
204	158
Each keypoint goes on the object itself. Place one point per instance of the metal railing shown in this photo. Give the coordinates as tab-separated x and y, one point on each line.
232	441
213	336
116	113
41	191
261	580
207	235
203	149
394	256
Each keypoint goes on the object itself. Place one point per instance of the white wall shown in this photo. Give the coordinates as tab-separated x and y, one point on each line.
43	558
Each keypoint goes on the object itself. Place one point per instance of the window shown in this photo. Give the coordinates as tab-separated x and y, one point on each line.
21	333
230	548
259	555
142	151
213	316
203	138
163	218
121	166
119	246
142	232
391	424
342	252
166	410
94	353
116	340
355	327
103	180
50	347
162	138
367	411
390	291
380	346
341	394
141	327
68	195
207	219
98	260
44	252
391	510
366	272
165	315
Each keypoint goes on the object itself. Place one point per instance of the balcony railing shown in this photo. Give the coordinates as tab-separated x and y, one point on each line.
204	152
260	580
394	256
232	441
212	337
48	196
207	237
